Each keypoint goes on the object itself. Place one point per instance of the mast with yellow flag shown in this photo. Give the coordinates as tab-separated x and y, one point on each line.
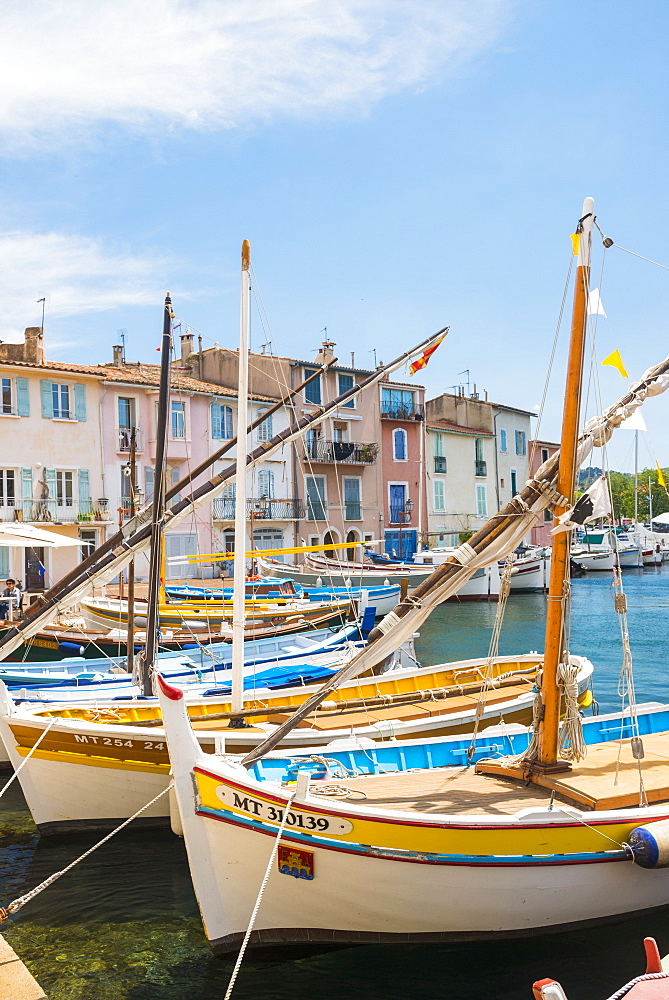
548	760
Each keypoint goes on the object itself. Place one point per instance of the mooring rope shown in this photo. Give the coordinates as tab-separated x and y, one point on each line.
261	893
21	901
27	757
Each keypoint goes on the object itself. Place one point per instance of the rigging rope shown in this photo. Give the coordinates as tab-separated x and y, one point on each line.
27	758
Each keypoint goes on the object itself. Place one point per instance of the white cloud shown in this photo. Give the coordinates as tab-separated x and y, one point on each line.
67	65
76	274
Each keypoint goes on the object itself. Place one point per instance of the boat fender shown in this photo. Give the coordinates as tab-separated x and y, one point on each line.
71	647
649	845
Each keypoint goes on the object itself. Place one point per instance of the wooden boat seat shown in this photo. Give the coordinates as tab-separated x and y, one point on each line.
452	790
592	784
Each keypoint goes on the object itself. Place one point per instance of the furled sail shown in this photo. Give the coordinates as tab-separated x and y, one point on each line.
499	536
135	536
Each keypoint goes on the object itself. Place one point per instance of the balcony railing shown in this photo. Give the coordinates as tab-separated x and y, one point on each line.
53	512
353	510
341	452
415	412
439	463
481	468
260	510
124	435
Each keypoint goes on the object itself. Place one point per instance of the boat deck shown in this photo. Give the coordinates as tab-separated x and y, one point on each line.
453	790
609	777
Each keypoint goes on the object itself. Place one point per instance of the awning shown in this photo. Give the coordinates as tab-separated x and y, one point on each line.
26	536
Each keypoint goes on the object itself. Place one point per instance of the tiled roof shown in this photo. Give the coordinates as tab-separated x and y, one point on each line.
136	374
447	425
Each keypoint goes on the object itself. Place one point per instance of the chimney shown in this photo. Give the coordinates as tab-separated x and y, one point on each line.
118	355
326	353
186	345
33	351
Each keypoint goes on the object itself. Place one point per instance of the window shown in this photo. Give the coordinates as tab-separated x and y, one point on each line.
544	456
63	488
481	502
439	495
397	498
314	540
502	441
339	432
397	404
60	396
548	515
312	443
439	445
88	542
265	432
265	484
7	488
8	396
221	422
316	502
352	504
514	483
346	382
57	400
481	467
126	412
149	478
312	393
521	443
178	419
400	444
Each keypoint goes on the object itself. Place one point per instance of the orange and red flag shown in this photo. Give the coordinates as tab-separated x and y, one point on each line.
422	361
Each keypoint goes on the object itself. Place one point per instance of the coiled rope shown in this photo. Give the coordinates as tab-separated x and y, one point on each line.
261	893
21	901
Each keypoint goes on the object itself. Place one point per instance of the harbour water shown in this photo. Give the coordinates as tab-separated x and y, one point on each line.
124	924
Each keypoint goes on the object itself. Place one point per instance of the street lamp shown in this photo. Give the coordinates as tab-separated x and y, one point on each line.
404	518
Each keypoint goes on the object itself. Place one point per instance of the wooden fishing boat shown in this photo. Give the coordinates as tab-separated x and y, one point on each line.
542	839
61	777
336	573
382	599
113	613
652	985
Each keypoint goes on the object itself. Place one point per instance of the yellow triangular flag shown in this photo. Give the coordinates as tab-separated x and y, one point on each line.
616	361
660	476
575	242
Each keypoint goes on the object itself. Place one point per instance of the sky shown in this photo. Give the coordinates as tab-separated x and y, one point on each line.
398	166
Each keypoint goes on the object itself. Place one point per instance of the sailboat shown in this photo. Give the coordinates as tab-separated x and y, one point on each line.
510	846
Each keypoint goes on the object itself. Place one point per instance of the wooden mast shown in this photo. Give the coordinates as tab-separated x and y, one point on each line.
554	643
239	591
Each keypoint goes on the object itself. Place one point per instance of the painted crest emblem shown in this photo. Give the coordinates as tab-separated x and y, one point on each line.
299	864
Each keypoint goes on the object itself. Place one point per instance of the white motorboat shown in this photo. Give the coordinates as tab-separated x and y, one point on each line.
483	585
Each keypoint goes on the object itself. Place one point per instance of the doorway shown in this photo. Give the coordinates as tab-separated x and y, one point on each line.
352	536
34	569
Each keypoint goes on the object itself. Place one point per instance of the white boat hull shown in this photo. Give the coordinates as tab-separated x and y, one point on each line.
355	575
594	560
356	899
530	574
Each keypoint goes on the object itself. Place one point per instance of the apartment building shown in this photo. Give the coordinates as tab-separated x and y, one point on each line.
404	511
337	484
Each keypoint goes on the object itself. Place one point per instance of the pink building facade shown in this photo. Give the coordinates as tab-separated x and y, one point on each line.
540	452
404	503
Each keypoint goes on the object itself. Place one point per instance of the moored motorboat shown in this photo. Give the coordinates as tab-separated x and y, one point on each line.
332	572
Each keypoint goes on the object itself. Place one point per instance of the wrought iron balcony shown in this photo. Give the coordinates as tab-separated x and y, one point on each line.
260	510
54	512
341	452
481	468
124	435
439	463
316	510
390	412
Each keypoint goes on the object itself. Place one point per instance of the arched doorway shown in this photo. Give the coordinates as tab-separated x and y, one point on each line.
352	536
330	538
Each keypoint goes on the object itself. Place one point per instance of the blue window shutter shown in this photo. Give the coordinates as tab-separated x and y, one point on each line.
23	398
4	562
47	399
84	491
26	484
50	480
216	422
80	402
